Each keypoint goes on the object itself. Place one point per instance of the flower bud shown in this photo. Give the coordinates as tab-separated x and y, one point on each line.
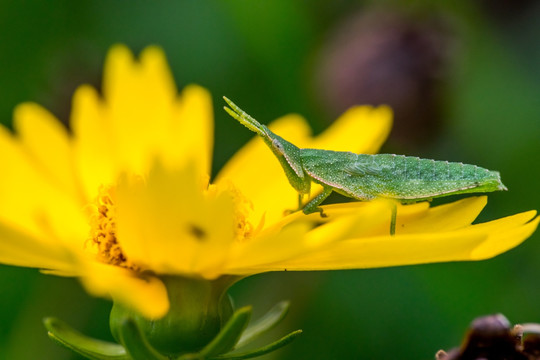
198	310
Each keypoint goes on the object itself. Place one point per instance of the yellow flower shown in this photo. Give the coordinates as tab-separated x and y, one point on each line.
125	196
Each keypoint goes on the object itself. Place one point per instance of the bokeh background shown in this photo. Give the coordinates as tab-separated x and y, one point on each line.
462	76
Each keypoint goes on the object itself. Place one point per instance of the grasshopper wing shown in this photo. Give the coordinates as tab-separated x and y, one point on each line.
401	177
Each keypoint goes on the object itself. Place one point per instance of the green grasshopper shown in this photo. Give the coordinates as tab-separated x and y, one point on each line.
366	177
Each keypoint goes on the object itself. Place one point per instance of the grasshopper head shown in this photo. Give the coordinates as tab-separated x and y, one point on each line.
287	153
280	147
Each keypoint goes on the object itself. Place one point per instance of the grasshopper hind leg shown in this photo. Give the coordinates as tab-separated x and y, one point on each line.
313	205
393	220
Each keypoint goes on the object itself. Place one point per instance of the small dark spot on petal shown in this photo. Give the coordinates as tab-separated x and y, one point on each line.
197	231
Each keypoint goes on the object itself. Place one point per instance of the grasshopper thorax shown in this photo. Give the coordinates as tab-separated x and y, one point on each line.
290	159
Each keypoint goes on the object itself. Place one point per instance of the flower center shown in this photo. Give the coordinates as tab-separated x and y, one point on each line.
243	207
103	243
102	239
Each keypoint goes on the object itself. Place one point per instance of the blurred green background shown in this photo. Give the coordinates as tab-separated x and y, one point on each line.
463	78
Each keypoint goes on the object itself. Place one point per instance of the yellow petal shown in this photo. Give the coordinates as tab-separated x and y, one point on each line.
140	120
191	134
151	77
140	100
413	218
365	217
470	243
34	204
148	296
361	129
269	248
46	141
96	154
19	174
300	238
503	235
167	223
440	218
19	249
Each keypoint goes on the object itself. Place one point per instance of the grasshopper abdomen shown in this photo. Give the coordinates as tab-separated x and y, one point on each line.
399	177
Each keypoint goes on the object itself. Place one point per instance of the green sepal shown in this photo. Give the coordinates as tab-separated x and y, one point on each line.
135	343
198	311
83	345
230	334
234	334
260	351
264	324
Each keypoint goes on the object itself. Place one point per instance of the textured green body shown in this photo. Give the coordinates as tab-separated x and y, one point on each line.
366	177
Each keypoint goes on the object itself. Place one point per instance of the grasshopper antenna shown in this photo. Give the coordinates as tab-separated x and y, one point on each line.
244	118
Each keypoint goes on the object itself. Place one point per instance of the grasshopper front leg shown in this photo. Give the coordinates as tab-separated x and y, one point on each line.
313	205
300	201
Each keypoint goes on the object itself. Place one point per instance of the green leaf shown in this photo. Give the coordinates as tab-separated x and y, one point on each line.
265	323
262	350
83	345
135	343
230	334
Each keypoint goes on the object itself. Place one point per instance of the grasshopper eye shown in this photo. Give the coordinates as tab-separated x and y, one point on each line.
278	146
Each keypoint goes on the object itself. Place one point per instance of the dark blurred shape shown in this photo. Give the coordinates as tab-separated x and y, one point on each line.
507	10
385	57
492	338
531	346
